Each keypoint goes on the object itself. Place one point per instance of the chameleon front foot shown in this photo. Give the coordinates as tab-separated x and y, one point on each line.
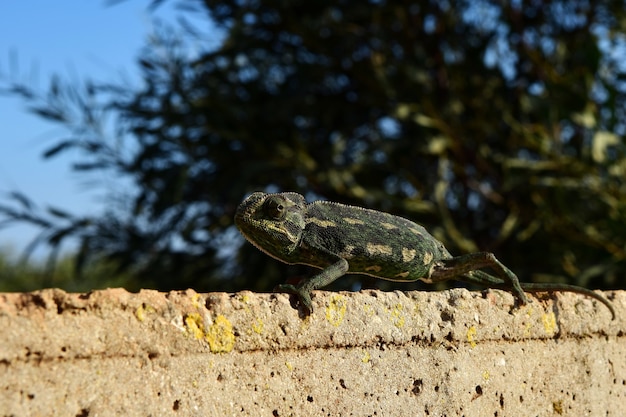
304	296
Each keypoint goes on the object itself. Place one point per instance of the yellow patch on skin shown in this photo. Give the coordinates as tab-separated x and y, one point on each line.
408	254
428	258
321	222
347	252
378	249
282	231
417	232
389	226
402	274
352	220
373	268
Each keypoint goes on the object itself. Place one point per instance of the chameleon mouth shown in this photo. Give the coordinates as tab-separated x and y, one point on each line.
248	221
247	208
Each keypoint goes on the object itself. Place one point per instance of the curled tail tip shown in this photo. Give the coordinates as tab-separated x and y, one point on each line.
533	287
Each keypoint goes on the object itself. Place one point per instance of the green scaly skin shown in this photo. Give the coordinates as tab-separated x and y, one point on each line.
341	239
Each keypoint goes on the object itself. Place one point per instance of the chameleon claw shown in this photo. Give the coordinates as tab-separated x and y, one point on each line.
303	296
523	299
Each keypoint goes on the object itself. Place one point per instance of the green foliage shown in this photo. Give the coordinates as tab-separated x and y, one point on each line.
18	275
497	127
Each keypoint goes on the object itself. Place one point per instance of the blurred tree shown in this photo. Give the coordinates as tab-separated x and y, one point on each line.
497	125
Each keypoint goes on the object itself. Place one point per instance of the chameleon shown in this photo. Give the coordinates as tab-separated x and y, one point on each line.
341	239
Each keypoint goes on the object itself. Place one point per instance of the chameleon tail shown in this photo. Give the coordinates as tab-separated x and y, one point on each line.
533	287
483	278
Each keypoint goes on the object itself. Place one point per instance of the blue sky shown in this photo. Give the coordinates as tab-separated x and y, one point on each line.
75	39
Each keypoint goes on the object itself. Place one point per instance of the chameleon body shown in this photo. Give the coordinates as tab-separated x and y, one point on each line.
341	239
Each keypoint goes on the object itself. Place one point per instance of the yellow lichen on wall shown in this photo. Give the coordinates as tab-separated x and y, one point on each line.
396	315
194	324
196	300
220	335
257	327
471	333
549	323
336	310
142	311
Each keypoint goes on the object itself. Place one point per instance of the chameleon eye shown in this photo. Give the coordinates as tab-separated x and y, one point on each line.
274	208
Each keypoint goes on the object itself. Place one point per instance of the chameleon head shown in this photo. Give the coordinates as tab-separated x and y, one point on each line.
272	222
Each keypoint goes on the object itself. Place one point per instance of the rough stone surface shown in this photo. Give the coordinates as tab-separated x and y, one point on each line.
454	353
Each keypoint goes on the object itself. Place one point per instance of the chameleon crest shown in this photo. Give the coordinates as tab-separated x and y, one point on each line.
342	239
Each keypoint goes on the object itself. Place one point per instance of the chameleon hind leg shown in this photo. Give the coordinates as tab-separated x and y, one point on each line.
303	290
466	268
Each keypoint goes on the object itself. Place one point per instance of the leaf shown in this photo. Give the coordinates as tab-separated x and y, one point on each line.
59	147
25	201
601	141
89	166
55	238
49	114
59	213
585	118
